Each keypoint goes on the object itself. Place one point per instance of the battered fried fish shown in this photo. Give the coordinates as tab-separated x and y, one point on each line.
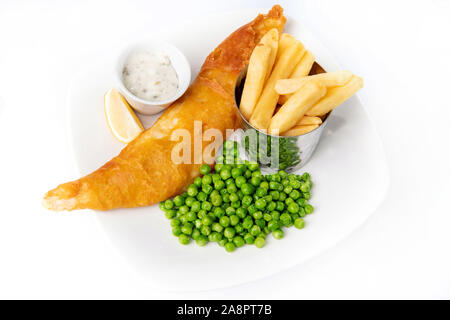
143	173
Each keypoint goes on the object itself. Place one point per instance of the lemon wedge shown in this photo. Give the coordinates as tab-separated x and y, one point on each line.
122	120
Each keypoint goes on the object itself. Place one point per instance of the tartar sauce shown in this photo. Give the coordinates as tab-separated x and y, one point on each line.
150	76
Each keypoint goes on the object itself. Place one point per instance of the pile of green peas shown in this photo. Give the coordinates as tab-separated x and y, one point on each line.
237	205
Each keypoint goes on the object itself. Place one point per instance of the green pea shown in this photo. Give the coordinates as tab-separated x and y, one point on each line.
273	225
201	214
207	221
248	223
253	166
287	189
305	187
178	201
226	197
206	188
186	229
205	169
216	177
240	181
184	239
264	185
195	234
224	221
302	212
175	223
278	234
191	216
218	167
260	242
238	241
249	239
260	223
205	230
247	189
230	211
260	192
285	218
219	185
276	177
295	184
255	230
198	223
241	212
202	240
247	200
234	197
231	188
216	201
239	228
275	215
271	206
283	174
288	201
283	196
285	182
230	247
305	176
309	209
257	215
189	201
192	190
307	195
197	182
293	207
295	216
247	174
168	204
255	181
206	205
267	216
225	174
229	233
223	242
236	172
196	206
170	214
219	212
176	231
295	194
201	196
299	223
302	202
207	179
260	204
273	185
236	204
275	194
234	220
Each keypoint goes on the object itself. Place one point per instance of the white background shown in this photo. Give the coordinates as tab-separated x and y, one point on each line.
401	49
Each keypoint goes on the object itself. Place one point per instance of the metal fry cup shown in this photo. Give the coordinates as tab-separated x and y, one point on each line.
272	152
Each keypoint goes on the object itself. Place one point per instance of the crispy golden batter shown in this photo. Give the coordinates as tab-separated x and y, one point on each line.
143	173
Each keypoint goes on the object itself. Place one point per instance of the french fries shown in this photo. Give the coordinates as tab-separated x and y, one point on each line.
303	68
330	79
297	105
268	100
336	96
270	39
278	73
258	68
307	120
300	130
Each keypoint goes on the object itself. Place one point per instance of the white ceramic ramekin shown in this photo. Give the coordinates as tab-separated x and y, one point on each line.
179	62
